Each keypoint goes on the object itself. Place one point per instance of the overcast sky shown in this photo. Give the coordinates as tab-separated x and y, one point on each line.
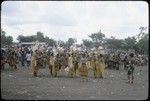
61	20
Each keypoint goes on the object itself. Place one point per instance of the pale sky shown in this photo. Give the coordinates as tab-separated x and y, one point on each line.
61	20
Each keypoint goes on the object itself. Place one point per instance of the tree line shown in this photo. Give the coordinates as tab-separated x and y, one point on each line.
5	40
138	43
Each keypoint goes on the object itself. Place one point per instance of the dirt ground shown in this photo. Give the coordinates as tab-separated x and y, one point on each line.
21	85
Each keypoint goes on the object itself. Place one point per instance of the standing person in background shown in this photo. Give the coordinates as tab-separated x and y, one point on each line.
70	65
100	66
3	58
93	64
23	55
30	49
28	57
126	62
131	68
19	54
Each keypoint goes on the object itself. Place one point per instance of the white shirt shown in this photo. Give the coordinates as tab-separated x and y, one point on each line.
28	56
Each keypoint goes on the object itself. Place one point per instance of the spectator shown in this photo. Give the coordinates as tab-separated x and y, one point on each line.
131	68
28	57
23	55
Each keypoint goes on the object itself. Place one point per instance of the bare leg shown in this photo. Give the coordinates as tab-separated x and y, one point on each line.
35	72
2	66
15	67
95	72
132	78
129	78
55	74
50	70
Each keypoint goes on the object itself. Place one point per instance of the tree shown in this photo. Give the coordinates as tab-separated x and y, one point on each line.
142	29
114	43
97	38
22	38
142	41
142	44
9	40
32	38
6	40
130	43
112	37
52	42
3	38
46	39
61	43
87	43
40	36
70	42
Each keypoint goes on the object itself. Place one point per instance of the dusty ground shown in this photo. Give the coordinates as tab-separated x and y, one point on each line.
21	85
